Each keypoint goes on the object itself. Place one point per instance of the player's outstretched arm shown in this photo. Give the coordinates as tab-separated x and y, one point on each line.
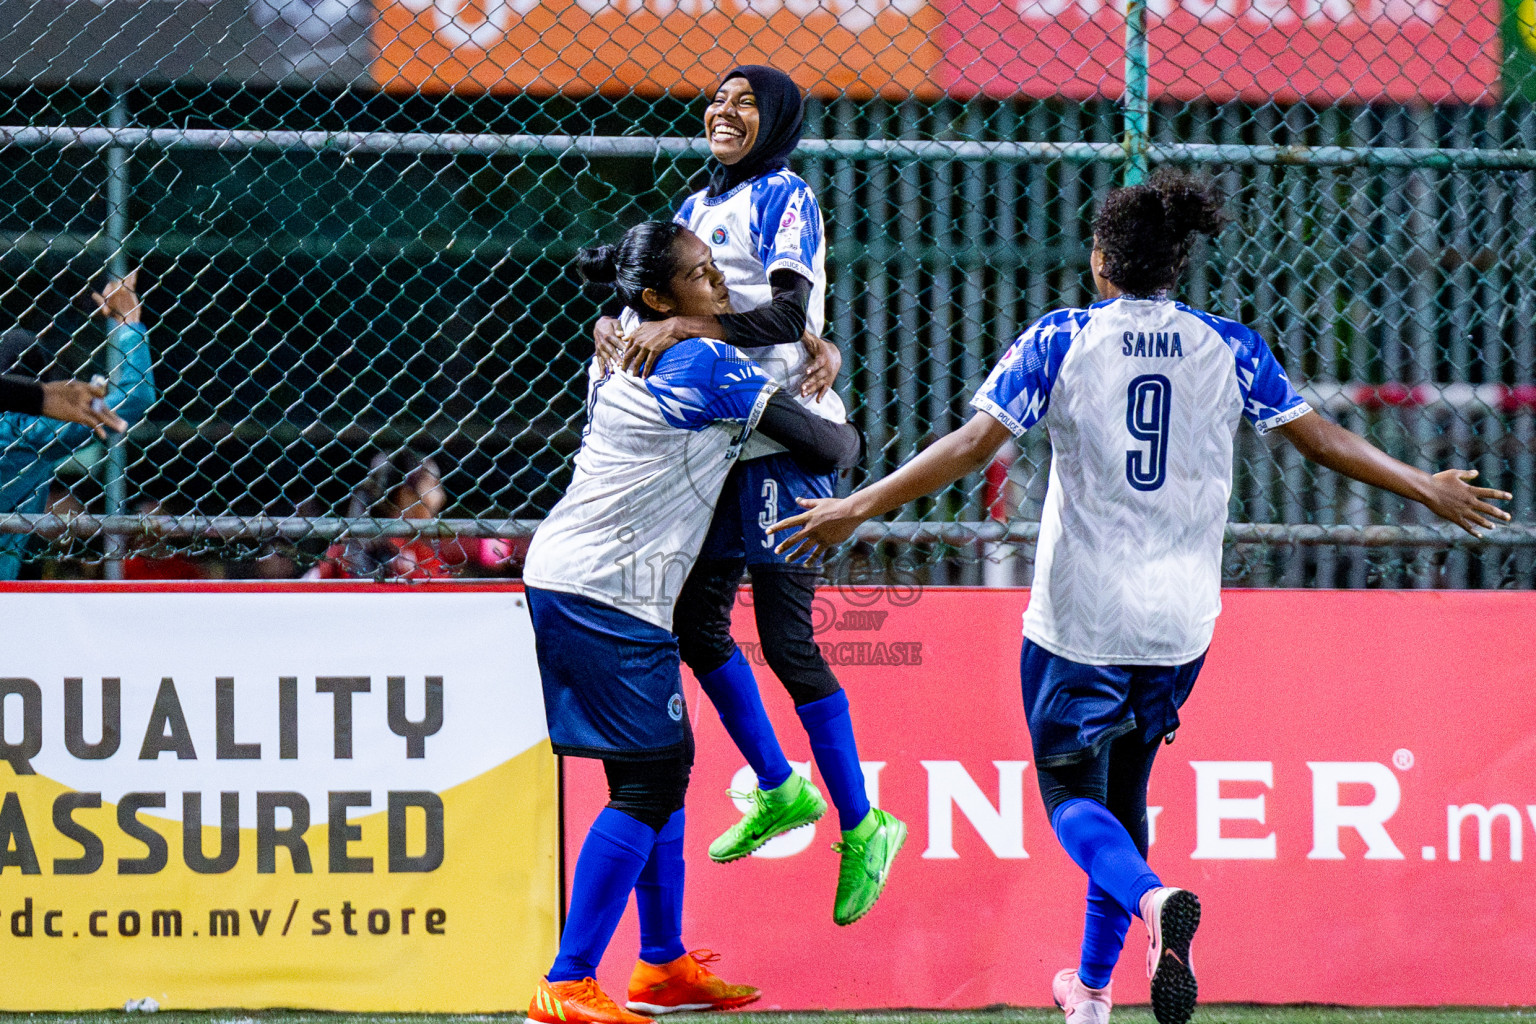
830	521
19	394
1447	494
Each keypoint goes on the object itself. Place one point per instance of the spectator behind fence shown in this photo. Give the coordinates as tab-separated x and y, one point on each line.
73	401
402	486
32	447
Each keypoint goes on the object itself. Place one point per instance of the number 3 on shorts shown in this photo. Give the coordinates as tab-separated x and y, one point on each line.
1148	405
770	513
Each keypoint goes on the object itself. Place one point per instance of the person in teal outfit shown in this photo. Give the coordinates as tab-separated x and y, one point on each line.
31	447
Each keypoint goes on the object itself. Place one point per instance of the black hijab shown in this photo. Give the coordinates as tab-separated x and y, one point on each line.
781	116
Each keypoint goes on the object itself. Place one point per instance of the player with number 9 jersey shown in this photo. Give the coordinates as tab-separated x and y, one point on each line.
1142	396
1128	565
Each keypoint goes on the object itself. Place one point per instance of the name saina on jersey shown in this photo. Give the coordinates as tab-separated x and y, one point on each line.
1160	343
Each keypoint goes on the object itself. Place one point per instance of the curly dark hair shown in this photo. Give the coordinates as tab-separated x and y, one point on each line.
1145	231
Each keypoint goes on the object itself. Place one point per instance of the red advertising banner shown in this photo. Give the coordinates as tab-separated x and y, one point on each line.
1287	50
1352	794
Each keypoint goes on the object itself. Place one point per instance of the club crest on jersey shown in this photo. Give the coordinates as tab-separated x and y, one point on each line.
675	707
719	237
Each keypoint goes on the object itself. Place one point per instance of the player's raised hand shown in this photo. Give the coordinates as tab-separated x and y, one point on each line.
829	522
119	300
1455	500
609	342
825	361
645	345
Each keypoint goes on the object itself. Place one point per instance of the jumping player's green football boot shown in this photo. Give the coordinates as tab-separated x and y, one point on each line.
868	852
797	802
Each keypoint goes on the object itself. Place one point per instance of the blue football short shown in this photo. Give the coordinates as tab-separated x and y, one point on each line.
1074	710
612	687
756	495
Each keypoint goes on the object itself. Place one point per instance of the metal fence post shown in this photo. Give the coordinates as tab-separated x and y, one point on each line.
115	470
1137	113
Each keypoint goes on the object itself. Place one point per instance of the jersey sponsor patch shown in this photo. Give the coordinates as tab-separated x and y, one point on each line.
791	225
675	707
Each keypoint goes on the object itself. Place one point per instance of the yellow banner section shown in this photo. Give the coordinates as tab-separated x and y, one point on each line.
326	798
365	929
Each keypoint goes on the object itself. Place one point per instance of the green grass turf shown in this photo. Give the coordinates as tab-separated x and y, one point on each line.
1214	1014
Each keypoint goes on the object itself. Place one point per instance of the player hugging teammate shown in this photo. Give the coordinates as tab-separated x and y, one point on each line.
1141	396
654	455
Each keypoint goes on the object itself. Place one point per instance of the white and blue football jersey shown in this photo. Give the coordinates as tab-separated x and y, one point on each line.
768	223
654	455
1142	399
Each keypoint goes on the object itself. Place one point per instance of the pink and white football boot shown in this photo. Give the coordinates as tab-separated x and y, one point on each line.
1171	916
1082	1004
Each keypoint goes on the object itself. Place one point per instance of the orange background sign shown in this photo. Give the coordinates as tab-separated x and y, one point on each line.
859	48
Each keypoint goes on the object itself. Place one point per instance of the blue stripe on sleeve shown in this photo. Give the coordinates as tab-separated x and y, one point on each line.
786	223
1269	399
1018	391
685	212
699	382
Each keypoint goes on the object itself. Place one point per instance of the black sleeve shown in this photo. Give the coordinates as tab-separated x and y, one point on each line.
817	443
780	321
17	394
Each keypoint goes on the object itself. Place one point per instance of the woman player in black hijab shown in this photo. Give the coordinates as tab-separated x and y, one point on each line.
765	231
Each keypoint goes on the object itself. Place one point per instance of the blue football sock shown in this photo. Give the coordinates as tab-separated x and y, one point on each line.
659	896
733	690
830	728
612	857
1101	846
1104	927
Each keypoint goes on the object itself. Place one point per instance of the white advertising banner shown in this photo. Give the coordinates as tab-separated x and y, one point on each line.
335	796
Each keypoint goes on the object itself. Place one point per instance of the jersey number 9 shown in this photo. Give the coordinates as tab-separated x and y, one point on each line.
1148	407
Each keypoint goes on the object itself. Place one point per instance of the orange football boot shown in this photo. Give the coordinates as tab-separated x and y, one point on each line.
577	1002
685	984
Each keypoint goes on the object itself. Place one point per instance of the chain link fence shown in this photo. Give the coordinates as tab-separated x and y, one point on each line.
354	223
